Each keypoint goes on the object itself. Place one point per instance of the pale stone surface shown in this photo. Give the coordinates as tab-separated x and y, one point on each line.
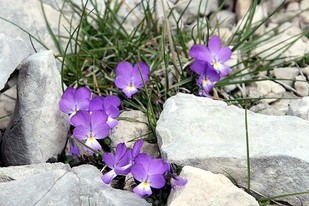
62	185
242	8
205	188
12	52
301	85
38	130
195	9
134	127
286	73
223	18
266	89
299	108
210	135
29	16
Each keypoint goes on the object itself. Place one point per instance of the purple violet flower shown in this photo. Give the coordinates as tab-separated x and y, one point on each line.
110	105
73	100
129	79
177	181
90	126
74	147
214	54
207	75
120	162
149	172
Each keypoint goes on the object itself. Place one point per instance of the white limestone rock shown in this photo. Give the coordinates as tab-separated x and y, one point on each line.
266	89
286	73
208	134
62	185
195	9
301	85
205	188
12	52
29	16
299	108
38	129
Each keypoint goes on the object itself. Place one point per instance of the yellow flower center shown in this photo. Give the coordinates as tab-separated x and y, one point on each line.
91	138
131	87
145	183
205	81
216	64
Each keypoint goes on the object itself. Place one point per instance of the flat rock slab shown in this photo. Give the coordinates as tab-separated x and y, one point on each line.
205	188
58	184
211	135
38	129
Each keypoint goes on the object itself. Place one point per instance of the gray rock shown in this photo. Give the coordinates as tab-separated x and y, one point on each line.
62	186
210	135
7	105
38	130
301	85
299	108
242	8
12	52
29	16
223	18
267	90
194	9
205	188
133	127
286	73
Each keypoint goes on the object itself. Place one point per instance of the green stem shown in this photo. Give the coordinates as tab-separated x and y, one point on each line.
247	145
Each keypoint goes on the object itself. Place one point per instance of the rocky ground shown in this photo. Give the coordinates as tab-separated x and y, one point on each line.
33	130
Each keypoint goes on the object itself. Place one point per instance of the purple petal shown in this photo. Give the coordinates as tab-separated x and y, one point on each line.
112	122
74	148
158	166
122	82
137	147
212	75
96	103
66	106
112	111
129	91
97	118
156	181
121	149
81	118
140	74
139	172
69	94
142	189
111	100
214	44
108	177
101	131
109	160
143	159
177	181
124	69
200	52
82	98
93	143
81	132
225	70
224	54
199	66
